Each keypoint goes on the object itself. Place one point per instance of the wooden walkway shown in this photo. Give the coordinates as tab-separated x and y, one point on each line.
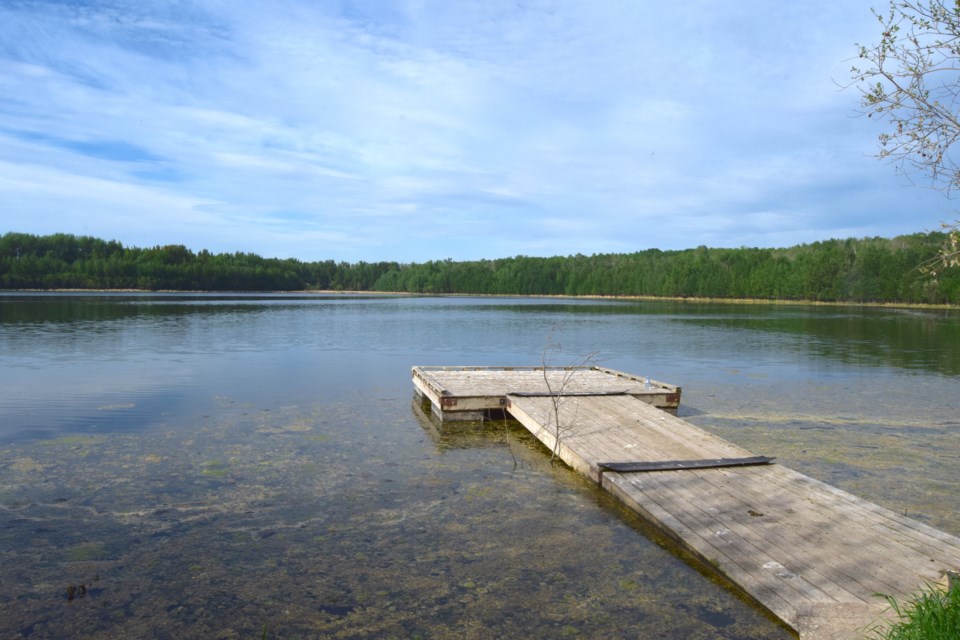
813	555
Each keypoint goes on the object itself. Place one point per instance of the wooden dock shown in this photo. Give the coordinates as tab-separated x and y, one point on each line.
811	554
472	393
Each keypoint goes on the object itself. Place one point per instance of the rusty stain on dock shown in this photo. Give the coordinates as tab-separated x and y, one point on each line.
813	555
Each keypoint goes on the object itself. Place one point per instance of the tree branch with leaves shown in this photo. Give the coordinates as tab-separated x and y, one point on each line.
911	79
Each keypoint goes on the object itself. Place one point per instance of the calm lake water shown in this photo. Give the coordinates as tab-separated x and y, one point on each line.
248	466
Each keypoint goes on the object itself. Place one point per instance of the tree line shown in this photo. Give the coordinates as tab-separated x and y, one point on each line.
851	270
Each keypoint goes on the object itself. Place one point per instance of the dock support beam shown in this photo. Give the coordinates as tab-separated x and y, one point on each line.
455	416
441	415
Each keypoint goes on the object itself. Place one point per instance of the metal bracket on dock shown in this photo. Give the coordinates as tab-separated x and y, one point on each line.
678	465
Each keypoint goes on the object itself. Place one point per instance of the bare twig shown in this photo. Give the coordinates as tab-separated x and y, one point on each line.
560	425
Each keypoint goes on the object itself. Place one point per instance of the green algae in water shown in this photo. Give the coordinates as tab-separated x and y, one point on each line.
342	540
215	469
84	552
71	441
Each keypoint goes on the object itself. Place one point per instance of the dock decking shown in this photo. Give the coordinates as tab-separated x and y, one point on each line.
813	555
471	393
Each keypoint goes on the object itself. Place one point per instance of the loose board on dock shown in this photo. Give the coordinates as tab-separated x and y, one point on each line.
813	555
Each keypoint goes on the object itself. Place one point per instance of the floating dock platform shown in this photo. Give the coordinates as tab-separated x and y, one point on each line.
474	393
813	555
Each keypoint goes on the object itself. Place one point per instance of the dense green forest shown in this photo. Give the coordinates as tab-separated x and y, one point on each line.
853	270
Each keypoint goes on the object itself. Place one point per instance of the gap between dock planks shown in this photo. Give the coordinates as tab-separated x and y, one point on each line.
813	555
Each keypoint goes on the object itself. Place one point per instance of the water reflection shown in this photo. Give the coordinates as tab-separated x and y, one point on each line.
914	340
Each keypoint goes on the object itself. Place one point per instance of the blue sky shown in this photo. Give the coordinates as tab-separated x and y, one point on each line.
421	129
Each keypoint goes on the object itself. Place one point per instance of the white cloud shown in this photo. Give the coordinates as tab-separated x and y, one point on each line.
424	129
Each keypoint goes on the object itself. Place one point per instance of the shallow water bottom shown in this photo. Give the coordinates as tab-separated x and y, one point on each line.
316	522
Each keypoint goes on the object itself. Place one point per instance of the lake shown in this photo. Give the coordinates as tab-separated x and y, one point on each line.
250	466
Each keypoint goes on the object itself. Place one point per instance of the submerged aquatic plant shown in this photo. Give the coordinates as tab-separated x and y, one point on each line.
931	614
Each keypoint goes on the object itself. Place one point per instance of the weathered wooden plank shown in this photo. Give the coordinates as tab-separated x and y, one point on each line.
620	429
659	433
915	539
860	571
777	542
662	514
850	559
794	591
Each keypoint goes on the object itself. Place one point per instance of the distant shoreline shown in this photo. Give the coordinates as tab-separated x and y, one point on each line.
853	271
334	292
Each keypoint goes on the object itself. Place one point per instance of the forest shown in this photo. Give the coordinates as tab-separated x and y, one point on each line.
877	270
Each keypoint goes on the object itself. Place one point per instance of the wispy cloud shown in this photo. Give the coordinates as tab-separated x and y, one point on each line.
418	129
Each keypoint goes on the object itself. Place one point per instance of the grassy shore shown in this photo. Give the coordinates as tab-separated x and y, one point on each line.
932	614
